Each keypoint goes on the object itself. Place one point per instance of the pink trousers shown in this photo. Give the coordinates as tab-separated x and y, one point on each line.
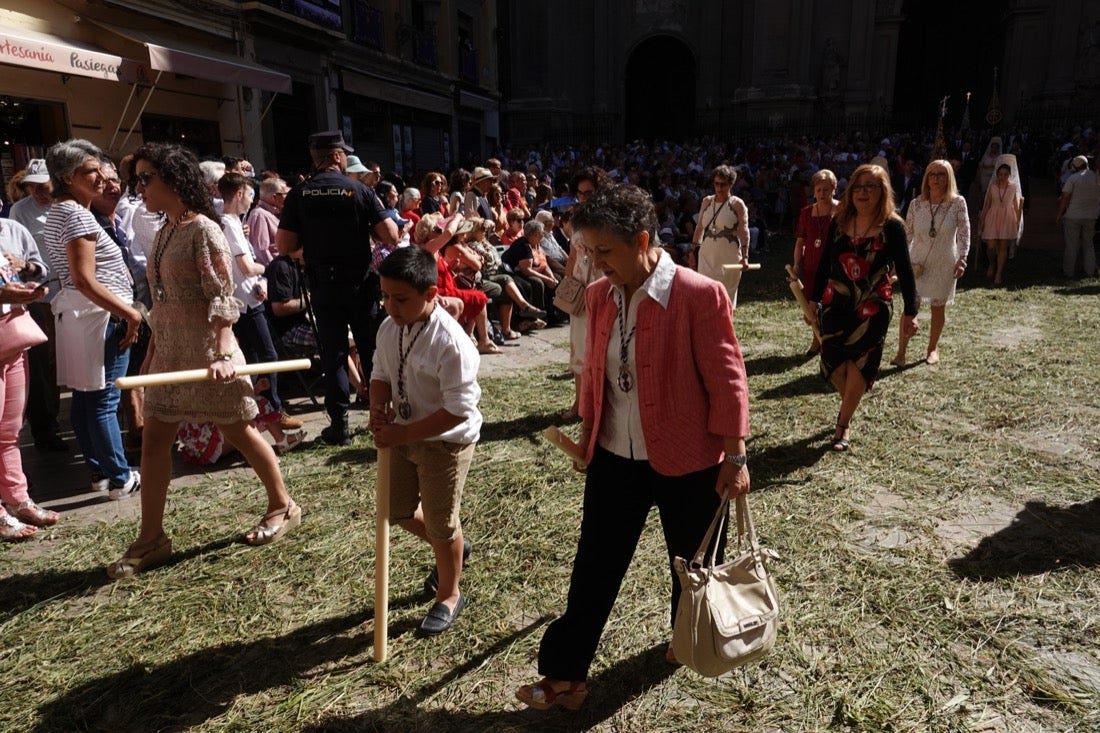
13	398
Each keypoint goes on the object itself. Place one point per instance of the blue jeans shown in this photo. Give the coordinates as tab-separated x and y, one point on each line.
94	415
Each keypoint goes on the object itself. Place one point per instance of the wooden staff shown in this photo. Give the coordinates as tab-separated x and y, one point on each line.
739	266
382	556
562	442
201	375
800	296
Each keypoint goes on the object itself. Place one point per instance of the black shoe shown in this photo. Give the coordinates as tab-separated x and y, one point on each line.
440	618
51	444
336	435
431	583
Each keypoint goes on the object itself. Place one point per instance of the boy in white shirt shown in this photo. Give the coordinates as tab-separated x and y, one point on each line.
423	405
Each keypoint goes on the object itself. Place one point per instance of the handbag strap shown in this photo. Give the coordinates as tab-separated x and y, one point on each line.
745	529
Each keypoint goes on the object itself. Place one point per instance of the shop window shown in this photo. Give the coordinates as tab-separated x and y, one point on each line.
202	137
27	128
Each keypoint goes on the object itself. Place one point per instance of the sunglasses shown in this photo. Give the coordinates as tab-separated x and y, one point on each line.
144	177
866	187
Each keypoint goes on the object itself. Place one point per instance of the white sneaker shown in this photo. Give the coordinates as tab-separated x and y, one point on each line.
130	488
100	484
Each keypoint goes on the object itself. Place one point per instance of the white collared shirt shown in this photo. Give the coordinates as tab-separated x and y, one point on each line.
440	371
621	423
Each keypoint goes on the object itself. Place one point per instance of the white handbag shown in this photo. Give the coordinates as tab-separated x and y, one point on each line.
728	614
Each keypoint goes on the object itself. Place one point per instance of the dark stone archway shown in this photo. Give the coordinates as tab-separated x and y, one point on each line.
659	90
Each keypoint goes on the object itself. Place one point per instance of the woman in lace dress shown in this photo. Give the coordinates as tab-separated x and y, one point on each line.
938	228
192	318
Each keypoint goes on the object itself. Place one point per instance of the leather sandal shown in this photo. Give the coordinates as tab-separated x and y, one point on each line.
840	443
265	534
31	513
543	695
156	553
12	530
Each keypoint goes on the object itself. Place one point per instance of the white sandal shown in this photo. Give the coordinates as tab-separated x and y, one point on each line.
12	530
265	534
290	441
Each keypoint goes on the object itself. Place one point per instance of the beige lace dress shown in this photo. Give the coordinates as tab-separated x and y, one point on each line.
191	282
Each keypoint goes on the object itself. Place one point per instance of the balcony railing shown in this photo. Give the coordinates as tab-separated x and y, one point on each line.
366	25
426	48
467	63
325	13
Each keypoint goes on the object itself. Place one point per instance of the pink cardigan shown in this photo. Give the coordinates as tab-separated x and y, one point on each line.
691	382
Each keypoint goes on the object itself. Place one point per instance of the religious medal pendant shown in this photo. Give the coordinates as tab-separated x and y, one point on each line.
932	232
404	409
159	293
626	379
817	244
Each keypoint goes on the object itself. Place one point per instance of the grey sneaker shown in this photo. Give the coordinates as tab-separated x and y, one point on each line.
130	488
100	483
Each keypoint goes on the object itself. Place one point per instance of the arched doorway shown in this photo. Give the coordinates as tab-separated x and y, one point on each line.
660	90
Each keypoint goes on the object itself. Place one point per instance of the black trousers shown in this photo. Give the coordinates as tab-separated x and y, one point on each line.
341	301
618	494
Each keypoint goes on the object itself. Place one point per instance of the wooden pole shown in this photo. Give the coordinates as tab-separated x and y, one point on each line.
739	266
562	442
800	296
201	375
382	557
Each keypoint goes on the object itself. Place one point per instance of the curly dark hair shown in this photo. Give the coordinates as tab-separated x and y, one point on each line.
596	175
179	169
623	210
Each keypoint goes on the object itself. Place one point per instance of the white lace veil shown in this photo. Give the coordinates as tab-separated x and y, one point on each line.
1013	182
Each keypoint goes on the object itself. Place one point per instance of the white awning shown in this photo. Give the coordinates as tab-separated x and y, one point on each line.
34	50
179	58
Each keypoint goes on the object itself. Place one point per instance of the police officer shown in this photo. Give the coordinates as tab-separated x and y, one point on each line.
331	218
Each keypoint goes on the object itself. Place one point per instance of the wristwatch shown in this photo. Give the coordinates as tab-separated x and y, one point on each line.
738	461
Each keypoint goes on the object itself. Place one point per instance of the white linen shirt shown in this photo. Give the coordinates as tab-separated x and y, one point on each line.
239	246
621	426
440	371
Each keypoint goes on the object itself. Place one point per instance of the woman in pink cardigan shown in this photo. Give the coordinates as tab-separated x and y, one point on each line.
664	404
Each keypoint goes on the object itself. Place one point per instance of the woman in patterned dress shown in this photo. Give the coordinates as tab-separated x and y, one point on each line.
813	225
192	318
938	228
866	241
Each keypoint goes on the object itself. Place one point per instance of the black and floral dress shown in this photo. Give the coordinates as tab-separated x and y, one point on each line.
854	290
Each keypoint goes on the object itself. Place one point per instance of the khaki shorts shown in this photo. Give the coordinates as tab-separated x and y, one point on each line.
431	473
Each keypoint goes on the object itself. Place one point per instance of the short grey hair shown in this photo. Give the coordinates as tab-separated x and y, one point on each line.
62	160
409	195
270	186
532	228
212	171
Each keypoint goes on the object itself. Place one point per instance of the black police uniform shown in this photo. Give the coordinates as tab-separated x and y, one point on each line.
333	216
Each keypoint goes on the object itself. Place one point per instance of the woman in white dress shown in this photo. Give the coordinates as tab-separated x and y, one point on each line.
722	234
937	226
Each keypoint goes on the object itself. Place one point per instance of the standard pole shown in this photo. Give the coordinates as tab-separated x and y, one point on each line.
382	556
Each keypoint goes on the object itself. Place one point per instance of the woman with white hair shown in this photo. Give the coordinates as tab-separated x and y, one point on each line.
722	235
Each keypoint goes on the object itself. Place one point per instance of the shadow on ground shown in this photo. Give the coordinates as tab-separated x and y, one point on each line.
193	689
1040	539
611	690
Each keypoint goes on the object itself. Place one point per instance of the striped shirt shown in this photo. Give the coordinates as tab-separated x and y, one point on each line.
69	220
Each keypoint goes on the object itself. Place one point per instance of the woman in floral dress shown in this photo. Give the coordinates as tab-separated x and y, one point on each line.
865	242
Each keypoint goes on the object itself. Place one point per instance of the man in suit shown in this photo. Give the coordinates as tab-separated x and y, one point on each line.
906	186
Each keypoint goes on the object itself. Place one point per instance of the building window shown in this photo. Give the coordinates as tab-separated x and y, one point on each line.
366	24
325	13
467	54
426	48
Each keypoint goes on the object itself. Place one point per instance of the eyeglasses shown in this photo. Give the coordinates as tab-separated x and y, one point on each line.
584	193
866	187
280	194
144	177
723	184
937	174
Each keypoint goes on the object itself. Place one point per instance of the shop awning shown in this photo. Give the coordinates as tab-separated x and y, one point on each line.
179	58
42	51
